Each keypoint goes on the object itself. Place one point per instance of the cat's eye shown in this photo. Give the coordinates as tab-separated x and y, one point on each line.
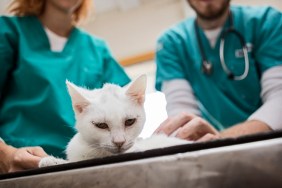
101	125
129	122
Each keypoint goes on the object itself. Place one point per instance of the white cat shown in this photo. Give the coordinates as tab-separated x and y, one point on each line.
108	121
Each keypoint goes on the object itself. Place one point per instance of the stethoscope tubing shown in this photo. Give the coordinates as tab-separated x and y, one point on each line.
206	63
245	52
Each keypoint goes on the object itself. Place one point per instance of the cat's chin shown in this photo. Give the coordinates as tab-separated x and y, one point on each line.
115	150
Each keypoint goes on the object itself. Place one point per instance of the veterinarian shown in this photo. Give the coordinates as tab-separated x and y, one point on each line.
40	48
221	72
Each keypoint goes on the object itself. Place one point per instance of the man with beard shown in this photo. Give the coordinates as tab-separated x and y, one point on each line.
216	88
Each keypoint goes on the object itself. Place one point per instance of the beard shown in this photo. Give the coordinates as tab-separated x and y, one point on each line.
211	13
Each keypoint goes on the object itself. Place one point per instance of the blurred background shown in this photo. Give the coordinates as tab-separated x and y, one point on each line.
131	28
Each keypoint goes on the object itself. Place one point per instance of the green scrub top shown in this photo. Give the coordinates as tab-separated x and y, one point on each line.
223	102
35	106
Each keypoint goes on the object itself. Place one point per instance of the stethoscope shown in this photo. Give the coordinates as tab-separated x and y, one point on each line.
207	65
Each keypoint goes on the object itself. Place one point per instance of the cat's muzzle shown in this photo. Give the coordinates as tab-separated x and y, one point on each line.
117	150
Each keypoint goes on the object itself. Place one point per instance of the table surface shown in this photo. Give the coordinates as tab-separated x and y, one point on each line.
254	164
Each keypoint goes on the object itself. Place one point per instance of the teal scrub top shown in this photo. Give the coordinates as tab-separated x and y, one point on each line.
223	102
35	106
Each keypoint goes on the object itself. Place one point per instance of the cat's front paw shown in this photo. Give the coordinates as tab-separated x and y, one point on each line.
50	161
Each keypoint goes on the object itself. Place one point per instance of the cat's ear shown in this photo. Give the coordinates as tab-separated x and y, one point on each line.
79	102
137	89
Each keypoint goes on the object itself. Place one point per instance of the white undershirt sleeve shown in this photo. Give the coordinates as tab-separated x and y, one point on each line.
271	110
180	97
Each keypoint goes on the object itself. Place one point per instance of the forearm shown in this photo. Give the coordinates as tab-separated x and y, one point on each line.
268	116
270	111
248	127
4	152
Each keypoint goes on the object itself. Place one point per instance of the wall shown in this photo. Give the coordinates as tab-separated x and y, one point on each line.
3	6
135	31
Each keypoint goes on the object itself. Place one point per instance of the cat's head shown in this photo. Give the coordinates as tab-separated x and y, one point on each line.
111	117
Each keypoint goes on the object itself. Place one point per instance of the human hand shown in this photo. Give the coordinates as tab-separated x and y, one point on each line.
189	127
20	159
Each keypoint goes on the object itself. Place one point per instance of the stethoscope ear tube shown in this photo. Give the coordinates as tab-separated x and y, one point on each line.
245	52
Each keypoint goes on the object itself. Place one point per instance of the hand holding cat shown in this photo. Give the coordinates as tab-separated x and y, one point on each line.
14	159
188	127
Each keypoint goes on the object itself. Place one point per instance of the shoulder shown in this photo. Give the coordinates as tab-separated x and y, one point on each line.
8	22
12	21
178	32
8	19
10	28
13	25
256	13
92	40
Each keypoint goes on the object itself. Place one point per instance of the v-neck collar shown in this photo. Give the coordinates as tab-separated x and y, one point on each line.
208	49
212	35
45	40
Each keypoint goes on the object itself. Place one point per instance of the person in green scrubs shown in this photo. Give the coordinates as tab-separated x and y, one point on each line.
203	103
40	49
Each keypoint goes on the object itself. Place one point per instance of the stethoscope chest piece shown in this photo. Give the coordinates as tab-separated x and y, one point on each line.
207	67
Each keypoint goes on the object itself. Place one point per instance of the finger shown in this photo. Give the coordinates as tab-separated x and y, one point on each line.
32	162
176	122
194	129
175	132
208	137
37	151
26	160
158	130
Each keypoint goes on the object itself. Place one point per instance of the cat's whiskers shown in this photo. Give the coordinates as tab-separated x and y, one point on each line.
95	145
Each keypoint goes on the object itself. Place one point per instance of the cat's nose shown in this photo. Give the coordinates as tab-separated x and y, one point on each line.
119	144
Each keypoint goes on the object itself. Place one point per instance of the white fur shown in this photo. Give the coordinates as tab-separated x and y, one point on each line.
156	141
111	105
50	161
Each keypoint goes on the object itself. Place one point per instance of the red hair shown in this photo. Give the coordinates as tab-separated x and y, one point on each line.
36	8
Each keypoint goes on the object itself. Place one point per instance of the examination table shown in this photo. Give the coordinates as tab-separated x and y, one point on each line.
249	161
